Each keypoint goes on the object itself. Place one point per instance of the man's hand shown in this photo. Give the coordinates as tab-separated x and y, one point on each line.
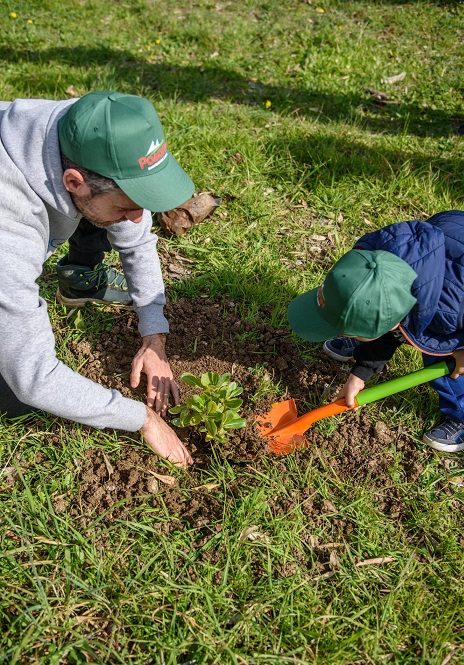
459	358
349	391
152	360
163	441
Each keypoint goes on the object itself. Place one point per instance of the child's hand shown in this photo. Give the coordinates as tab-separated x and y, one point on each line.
351	388
459	369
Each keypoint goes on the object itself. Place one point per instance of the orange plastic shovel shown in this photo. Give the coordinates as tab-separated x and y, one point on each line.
286	430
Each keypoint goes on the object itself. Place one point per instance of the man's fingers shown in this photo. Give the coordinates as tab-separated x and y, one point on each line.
163	390
158	394
184	459
135	373
151	396
175	392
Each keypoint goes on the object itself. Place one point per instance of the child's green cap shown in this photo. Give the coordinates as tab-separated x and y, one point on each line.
120	137
365	294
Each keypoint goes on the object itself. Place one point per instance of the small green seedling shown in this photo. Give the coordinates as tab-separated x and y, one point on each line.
216	410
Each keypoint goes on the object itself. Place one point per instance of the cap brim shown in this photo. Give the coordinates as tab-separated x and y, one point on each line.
162	190
306	321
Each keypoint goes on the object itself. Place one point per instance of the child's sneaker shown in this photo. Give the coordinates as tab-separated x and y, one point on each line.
341	348
447	437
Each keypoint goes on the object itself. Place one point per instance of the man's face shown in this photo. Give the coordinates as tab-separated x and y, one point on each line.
104	210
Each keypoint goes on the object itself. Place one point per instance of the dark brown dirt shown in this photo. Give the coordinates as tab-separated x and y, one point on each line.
212	336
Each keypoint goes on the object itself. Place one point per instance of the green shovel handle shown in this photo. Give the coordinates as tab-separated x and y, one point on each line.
424	375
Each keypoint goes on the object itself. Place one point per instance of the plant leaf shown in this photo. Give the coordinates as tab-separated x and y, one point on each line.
191	379
196	402
177	409
206	379
213	378
224	378
214	410
195	419
211	427
233	421
184	419
233	404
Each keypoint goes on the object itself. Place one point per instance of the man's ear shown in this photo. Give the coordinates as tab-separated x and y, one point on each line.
75	183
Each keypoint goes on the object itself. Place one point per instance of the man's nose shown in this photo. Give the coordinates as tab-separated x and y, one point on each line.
135	215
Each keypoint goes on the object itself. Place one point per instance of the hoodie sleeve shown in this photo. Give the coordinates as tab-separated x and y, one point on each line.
28	361
137	248
371	357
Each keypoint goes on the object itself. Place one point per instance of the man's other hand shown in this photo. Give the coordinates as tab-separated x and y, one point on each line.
163	440
152	360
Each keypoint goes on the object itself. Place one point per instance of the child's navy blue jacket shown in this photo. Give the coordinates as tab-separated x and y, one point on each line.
435	251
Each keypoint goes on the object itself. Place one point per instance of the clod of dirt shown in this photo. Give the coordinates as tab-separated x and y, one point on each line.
383	433
153	485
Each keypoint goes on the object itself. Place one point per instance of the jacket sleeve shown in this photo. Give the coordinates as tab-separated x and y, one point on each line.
137	248
371	357
28	360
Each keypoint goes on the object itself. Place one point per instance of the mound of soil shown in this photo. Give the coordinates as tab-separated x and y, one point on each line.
211	336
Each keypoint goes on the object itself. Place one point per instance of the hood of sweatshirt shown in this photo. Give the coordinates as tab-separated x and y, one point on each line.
29	133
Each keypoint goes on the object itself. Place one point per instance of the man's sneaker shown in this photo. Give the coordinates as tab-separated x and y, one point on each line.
341	348
78	285
447	437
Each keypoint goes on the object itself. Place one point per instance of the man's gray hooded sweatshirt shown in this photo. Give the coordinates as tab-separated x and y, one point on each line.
36	216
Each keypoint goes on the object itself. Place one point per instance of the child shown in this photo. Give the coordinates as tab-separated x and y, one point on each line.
402	283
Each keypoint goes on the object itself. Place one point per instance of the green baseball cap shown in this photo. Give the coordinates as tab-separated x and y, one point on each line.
120	137
365	294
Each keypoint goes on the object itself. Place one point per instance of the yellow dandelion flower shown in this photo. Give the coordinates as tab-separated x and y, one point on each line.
13	14
320	10
148	47
157	41
29	20
268	104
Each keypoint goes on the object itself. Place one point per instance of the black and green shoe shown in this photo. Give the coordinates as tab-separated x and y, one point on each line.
78	285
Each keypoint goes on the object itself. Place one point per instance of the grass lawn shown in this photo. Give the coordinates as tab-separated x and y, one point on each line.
315	121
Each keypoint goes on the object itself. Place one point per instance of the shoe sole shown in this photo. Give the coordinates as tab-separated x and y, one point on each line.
334	355
443	447
80	302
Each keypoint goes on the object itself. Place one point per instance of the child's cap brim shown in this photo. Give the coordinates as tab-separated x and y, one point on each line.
306	321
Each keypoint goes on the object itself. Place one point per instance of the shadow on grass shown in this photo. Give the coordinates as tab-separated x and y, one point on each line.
331	160
199	83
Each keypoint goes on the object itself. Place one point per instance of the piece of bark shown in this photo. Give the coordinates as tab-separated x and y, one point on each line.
178	221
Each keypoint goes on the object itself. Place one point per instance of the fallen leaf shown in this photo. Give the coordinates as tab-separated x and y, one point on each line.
377	94
167	480
394	79
253	533
71	91
207	486
178	221
334	562
178	270
371	562
109	468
